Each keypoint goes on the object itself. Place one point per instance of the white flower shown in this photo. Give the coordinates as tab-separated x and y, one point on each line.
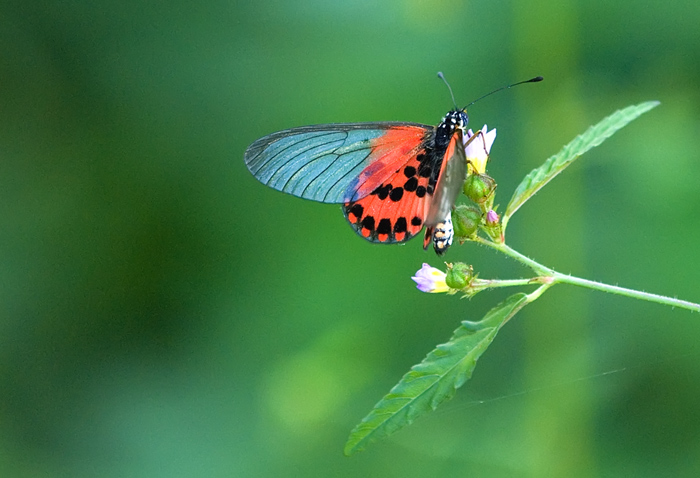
478	150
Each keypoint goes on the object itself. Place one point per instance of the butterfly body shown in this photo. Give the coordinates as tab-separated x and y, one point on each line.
392	179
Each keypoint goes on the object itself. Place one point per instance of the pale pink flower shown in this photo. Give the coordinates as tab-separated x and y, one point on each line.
478	150
430	279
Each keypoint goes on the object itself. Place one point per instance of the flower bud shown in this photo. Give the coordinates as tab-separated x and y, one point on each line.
459	275
430	279
479	187
493	226
491	217
466	220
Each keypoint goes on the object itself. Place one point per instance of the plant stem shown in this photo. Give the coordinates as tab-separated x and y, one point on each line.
507	250
635	294
494	283
556	277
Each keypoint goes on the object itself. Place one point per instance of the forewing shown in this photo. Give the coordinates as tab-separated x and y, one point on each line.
450	181
449	184
324	162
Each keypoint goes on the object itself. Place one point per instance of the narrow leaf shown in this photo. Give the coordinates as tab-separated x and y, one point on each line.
595	135
435	379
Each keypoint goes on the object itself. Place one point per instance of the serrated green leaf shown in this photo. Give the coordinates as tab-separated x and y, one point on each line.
435	379
594	136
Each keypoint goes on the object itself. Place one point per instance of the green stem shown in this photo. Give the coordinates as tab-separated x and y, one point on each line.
507	250
494	283
549	277
635	294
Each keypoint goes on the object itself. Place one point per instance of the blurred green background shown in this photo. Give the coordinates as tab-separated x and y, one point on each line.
165	315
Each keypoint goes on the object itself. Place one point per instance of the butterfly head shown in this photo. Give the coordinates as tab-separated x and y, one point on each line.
453	120
463	120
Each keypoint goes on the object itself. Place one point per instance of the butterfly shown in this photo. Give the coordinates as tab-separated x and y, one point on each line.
392	178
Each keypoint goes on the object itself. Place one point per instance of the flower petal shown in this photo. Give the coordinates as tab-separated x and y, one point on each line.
489	138
478	150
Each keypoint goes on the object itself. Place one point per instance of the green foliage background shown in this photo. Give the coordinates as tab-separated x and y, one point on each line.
164	314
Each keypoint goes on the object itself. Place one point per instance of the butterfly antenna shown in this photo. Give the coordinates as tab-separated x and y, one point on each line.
531	80
442	77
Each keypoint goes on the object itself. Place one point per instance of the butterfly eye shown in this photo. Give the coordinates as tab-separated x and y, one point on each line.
463	119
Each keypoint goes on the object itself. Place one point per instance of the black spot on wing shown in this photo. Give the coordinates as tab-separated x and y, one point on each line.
356	210
396	194
411	185
384	226
382	191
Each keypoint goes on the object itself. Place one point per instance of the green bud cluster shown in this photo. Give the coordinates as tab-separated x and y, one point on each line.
481	190
467	220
